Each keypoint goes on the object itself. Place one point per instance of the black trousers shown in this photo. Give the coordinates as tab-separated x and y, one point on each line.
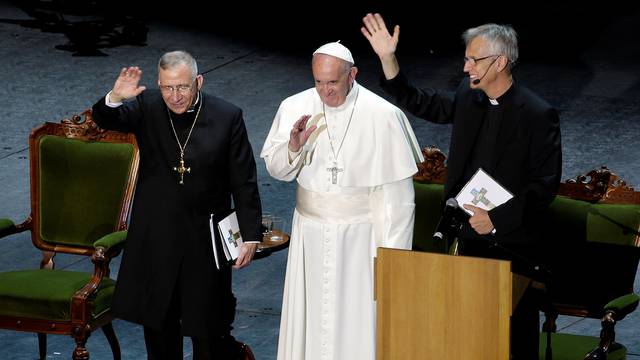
525	327
167	343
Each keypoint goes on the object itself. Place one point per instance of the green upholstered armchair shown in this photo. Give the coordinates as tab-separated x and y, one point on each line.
593	262
428	184
82	183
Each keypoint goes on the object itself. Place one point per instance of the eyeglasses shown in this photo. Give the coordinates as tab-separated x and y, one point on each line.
181	89
474	61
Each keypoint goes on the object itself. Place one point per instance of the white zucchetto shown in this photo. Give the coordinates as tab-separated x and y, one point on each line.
335	49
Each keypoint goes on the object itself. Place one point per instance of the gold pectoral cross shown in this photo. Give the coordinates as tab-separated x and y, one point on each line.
334	173
181	169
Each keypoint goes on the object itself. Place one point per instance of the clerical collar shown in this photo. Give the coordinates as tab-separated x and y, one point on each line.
502	98
187	115
348	102
195	104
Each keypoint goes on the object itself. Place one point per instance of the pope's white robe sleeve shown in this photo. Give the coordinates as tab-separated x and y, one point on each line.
278	164
398	212
281	163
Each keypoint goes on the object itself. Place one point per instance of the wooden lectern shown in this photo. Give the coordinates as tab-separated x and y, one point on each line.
438	306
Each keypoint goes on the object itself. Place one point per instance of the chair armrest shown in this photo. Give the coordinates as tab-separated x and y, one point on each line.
105	248
615	310
112	242
7	227
623	305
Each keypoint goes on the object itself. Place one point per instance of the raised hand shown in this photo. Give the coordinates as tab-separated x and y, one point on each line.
383	43
126	85
376	32
298	135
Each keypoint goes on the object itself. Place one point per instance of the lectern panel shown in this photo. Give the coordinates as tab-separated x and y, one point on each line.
437	306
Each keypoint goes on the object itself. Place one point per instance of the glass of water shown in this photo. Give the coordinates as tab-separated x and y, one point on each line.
267	224
277	228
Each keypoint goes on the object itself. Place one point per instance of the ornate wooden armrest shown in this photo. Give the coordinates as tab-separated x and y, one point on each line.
7	227
432	169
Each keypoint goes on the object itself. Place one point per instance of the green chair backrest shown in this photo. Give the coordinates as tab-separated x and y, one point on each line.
429	202
580	220
81	180
428	184
593	253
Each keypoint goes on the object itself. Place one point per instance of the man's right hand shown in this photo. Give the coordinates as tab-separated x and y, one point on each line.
375	30
126	85
384	45
298	135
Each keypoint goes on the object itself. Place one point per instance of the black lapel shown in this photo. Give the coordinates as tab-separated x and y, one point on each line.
508	126
465	134
164	134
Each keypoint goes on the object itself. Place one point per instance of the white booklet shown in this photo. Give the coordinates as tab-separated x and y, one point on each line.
482	191
228	232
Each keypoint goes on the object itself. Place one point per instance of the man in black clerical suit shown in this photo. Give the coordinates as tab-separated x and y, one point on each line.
195	158
501	127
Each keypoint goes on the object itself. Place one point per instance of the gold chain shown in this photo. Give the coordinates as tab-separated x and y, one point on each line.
191	130
181	169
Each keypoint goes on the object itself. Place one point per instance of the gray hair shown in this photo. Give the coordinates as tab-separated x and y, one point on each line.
502	40
174	58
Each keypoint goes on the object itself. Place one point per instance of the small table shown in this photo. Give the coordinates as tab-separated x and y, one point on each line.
268	246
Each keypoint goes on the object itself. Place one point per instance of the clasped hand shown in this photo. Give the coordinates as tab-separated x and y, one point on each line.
247	252
480	221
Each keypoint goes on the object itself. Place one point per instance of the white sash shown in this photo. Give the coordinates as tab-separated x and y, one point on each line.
337	208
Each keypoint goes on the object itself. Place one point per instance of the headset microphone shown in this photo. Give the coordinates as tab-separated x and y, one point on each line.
477	81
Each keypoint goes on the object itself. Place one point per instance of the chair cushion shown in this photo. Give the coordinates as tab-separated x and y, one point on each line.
46	294
572	347
429	205
81	180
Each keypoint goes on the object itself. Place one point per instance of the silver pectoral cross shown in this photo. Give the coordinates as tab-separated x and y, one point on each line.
181	169
334	173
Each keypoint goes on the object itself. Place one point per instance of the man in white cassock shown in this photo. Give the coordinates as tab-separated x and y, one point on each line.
353	155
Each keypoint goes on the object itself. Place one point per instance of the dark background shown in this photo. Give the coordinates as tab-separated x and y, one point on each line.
548	32
60	56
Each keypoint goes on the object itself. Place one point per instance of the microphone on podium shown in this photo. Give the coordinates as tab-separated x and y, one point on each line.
447	220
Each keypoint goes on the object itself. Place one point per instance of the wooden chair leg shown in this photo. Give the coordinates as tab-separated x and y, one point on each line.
107	329
42	345
80	336
549	327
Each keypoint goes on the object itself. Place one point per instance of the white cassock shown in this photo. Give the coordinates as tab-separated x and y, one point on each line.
328	310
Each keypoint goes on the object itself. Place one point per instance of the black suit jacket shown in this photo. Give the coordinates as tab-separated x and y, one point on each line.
527	157
168	244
